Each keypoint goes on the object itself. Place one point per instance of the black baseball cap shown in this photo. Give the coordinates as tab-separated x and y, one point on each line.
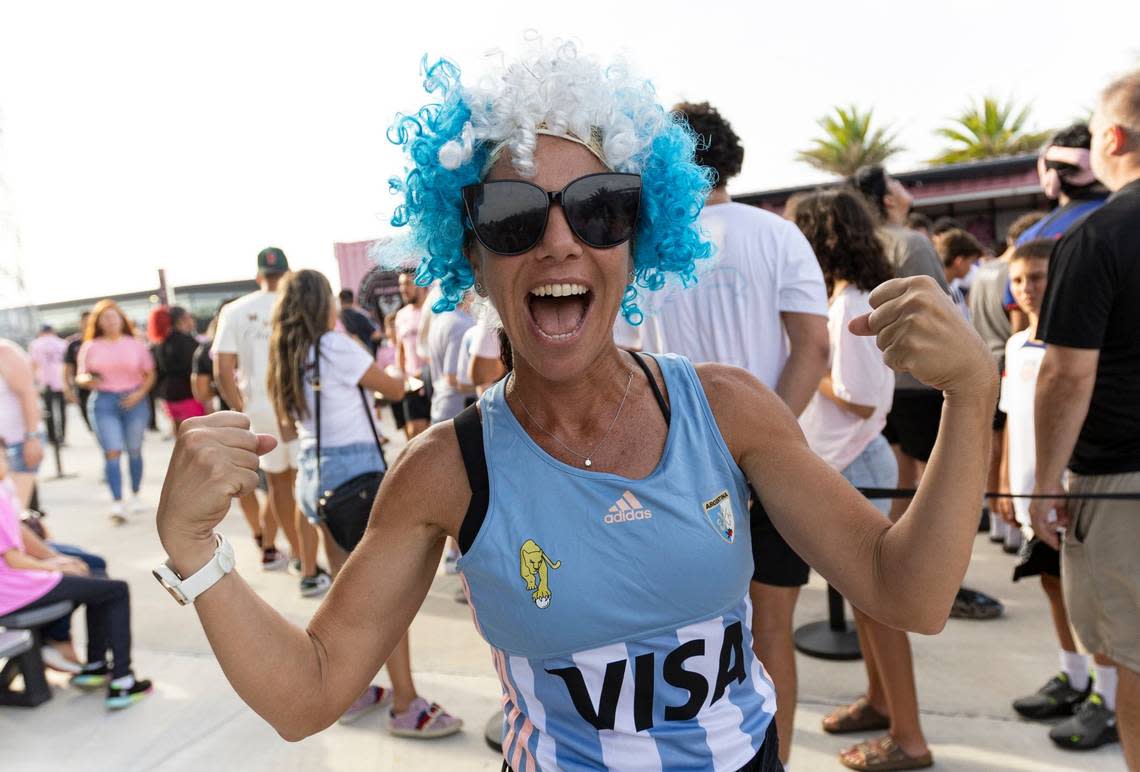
271	261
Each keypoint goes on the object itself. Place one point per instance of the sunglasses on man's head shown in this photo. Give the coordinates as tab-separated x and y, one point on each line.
509	216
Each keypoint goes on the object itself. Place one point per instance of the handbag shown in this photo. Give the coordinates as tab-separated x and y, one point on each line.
345	509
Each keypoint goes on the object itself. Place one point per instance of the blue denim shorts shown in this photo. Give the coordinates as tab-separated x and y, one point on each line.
875	467
16	457
338	465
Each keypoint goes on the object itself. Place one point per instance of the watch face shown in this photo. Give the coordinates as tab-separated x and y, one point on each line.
177	595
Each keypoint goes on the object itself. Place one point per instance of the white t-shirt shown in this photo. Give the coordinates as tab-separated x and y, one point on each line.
626	335
463	366
858	375
343	414
763	266
244	328
445	337
1018	389
485	341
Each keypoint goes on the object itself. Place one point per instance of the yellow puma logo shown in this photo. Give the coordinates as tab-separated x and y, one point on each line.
533	564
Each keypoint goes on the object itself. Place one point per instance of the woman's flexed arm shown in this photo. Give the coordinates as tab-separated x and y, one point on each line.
905	574
301	680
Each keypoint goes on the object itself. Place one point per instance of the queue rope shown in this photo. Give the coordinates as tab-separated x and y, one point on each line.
906	493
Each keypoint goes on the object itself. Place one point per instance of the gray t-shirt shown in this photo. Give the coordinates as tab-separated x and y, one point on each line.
445	339
986	309
911	254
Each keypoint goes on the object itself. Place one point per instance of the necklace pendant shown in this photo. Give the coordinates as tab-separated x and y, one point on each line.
589	462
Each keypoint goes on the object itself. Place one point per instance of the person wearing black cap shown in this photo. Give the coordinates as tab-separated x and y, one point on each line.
241	357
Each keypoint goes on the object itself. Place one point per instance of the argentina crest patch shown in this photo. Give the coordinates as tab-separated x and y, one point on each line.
718	512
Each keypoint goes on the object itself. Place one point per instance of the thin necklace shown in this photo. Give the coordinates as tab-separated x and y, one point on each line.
587	459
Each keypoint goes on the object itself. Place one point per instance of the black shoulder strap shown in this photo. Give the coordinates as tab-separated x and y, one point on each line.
657	395
469	431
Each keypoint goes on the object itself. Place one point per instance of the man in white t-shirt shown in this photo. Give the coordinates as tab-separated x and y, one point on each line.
241	360
445	340
761	306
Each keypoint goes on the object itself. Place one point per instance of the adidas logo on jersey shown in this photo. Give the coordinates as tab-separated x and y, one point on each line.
626	508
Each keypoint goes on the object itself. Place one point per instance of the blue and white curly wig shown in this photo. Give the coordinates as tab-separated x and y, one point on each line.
453	141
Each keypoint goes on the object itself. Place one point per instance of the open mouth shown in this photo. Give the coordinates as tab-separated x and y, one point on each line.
559	310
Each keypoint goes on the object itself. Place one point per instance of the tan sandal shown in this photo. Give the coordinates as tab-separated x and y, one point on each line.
882	755
859	716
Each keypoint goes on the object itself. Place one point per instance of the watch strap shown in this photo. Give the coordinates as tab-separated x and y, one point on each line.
185	591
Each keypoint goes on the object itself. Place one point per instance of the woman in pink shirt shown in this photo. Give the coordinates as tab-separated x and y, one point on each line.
120	370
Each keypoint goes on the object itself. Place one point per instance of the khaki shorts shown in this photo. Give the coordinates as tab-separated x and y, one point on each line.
283	457
1100	568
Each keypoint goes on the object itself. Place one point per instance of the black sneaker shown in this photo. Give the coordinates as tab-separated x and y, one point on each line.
971	604
1055	699
316	585
1092	726
91	677
117	699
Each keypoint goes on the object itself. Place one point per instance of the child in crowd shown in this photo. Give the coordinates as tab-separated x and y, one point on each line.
1071	692
960	252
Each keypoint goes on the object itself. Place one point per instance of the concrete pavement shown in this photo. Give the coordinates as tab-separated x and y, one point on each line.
966	676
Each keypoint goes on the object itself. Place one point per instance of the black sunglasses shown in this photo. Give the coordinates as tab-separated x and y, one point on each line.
509	216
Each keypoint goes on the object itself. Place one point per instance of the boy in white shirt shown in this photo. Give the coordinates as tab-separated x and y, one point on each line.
1066	691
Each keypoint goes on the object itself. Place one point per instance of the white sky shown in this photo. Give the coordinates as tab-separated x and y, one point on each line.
188	136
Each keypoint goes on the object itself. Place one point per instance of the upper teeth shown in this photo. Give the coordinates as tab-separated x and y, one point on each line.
559	290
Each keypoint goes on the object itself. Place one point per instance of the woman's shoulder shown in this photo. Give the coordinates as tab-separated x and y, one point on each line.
747	412
429	474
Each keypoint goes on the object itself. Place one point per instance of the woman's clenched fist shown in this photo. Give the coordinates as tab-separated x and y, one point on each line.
920	331
214	460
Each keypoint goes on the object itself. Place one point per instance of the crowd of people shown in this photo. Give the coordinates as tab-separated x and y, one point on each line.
849	344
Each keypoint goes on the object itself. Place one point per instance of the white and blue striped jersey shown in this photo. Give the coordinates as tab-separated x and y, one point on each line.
617	609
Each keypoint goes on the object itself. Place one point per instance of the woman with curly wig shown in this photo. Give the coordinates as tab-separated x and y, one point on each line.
597	495
843	424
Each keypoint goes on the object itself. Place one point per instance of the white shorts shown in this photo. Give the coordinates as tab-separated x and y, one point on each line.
283	457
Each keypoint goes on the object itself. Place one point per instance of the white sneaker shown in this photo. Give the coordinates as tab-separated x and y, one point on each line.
137	505
56	661
117	513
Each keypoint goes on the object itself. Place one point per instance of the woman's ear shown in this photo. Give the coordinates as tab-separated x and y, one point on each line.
474	259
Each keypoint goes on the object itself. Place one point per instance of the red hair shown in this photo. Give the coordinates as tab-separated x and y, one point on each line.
158	324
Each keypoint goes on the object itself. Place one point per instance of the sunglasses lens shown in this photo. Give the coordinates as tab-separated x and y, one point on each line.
508	216
602	208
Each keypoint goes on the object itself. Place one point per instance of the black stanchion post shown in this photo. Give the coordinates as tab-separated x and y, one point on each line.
831	639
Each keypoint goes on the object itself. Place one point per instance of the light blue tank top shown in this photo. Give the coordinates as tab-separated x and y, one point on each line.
617	609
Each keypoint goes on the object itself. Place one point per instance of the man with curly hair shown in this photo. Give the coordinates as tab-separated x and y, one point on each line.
762	306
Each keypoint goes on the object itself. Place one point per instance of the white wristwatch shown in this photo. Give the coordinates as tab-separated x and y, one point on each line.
186	590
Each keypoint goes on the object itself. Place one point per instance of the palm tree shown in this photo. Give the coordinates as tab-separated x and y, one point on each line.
848	142
989	130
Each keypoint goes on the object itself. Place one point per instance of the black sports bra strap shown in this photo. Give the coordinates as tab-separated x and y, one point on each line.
469	431
657	395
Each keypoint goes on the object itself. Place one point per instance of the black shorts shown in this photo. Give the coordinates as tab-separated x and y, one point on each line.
913	421
1036	558
417	407
999	420
774	560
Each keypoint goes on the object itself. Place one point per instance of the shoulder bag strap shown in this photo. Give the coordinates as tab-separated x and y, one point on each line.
371	424
317	408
